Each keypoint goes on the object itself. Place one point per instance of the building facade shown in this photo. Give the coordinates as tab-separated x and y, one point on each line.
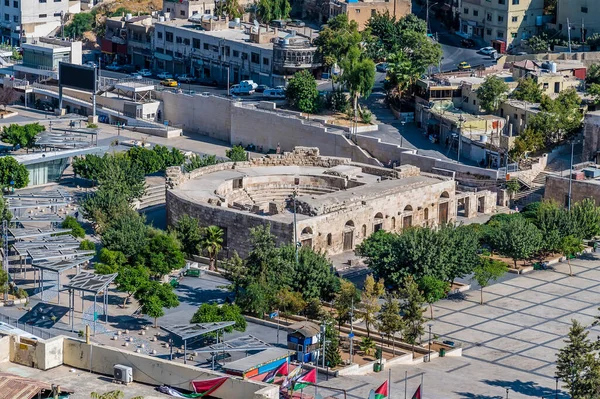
582	15
25	20
501	21
361	11
128	40
186	8
43	57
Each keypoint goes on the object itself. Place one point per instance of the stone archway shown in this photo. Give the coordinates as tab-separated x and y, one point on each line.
443	208
407	219
306	237
378	222
348	236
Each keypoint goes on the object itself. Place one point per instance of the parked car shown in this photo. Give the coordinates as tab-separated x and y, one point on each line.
136	76
280	87
297	22
487	50
128	68
382	67
169	82
274	93
113	67
165	75
91	64
467	43
249	83
464	66
241	90
185	78
145	72
261	88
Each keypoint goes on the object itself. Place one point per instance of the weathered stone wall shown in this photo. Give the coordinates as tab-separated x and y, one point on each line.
557	189
591	136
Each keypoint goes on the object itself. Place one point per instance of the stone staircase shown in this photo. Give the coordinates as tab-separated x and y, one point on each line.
155	195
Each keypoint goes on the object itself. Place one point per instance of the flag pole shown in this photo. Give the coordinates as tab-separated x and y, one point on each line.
390	383
405	383
422	374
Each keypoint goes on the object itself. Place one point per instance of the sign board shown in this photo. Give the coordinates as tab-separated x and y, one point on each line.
273	315
77	76
351	335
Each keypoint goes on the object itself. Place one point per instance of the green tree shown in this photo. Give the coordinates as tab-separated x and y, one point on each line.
402	72
289	301
487	271
313	275
433	290
460	253
22	135
518	239
196	161
263	258
81	23
126	234
492	93
346	299
130	279
230	9
110	261
569	247
237	154
314	310
528	90
577	365
358	75
593	74
586	218
71	223
336	39
254	299
103	207
148	161
87	245
513	186
235	271
214	313
122	176
389	319
5	214
188	232
369	305
154	297
162	253
212	243
367	345
301	92
108	395
411	308
594	91
13	172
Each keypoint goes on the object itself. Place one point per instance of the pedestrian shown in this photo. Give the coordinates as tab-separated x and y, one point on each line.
278	150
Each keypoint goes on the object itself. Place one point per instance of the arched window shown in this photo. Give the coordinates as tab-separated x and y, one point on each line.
329	239
426	213
445	195
364	230
307	230
408	208
393	223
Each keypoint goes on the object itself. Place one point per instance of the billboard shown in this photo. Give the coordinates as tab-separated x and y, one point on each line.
77	76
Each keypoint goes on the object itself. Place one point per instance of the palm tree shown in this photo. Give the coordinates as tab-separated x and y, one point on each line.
402	72
212	243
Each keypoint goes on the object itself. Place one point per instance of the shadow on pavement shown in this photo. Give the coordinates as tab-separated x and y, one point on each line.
468	395
528	388
44	315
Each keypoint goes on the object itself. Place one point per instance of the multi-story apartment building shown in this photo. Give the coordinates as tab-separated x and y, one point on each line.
24	20
501	21
186	8
128	40
41	59
210	48
582	15
362	10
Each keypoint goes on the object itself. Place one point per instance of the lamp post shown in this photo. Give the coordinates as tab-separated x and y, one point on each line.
351	329
429	352
402	133
571	174
295	227
461	119
556	388
506	393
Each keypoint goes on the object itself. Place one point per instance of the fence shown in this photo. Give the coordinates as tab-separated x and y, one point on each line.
37	331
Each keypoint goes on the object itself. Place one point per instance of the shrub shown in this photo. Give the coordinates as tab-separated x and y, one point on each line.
71	223
87	245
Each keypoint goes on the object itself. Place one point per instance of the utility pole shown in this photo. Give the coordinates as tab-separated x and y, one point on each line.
460	122
295	227
571	174
351	329
427	18
569	34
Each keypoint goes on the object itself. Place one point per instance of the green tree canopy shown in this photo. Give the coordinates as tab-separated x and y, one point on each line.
492	93
127	234
336	40
161	253
22	135
188	232
301	92
358	74
369	301
237	154
433	290
12	173
518	239
487	271
411	308
71	223
571	246
154	297
528	90
212	243
81	23
347	297
389	319
214	313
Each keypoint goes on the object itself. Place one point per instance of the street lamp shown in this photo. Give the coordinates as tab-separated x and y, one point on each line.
402	123
506	393
429	355
461	120
556	388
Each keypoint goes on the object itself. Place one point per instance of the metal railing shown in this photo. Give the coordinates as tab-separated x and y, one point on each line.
37	331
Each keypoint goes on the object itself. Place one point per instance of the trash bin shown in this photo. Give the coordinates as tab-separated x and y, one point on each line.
377	367
442	352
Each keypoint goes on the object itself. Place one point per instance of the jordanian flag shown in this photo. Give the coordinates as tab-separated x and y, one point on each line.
417	394
382	391
309	378
279	371
207	387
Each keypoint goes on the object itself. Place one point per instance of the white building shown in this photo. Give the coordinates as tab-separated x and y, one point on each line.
42	58
25	20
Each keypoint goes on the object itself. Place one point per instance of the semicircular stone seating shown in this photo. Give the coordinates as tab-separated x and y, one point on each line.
262	196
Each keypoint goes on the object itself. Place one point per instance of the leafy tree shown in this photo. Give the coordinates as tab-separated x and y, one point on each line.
301	92
529	140
71	223
263	257
188	232
214	313
104	207
110	261
147	160
528	90
87	245
130	279
460	255
570	246
289	301
5	214
586	218
162	253
237	154
513	186
212	243
268	10
235	271
402	72
314	310
411	308
196	161
230	9
390	321
367	345
126	234
369	305
337	100
433	290
347	297
8	95
358	75
488	270
332	351
254	299
577	365
81	23
594	91
518	239
593	74
492	93
122	176
336	40
22	135
154	297
13	172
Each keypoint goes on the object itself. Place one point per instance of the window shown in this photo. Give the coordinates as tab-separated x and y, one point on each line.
169	52
42	15
474	102
236	53
178	39
15	4
169	36
515	19
584	10
178	54
182	13
57	14
515	2
160	50
500	34
501	1
516	116
159	35
475	13
205	46
6	17
500	18
525	18
186	42
513	35
42	1
265	61
15	18
196	43
226	51
57	1
244	56
545	86
358	10
6	3
489	17
488	32
329	240
466	11
255	58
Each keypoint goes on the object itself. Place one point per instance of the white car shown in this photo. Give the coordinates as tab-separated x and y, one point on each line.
185	78
91	64
165	75
145	72
241	90
137	76
113	67
487	50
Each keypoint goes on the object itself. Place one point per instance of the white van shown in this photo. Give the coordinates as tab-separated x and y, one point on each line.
241	90
249	83
274	93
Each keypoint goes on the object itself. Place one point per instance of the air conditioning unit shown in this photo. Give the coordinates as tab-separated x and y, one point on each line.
123	374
